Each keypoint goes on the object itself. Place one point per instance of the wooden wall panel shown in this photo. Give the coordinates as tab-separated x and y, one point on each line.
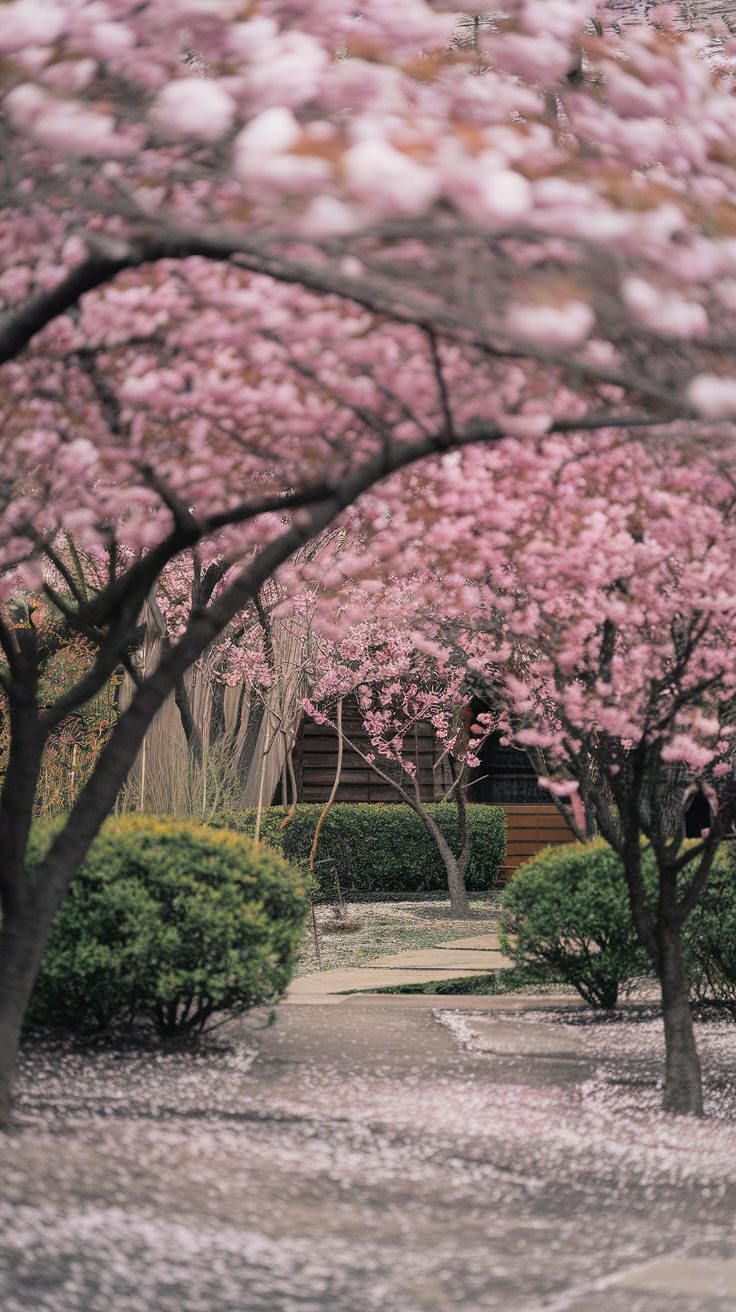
529	829
317	760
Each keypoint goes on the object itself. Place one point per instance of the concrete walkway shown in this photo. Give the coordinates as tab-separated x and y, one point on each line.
477	954
392	1154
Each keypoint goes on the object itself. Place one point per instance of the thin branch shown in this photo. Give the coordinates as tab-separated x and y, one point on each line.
442	387
333	791
130	669
377	426
184	520
61	568
19	326
72	616
159	238
273	504
106	399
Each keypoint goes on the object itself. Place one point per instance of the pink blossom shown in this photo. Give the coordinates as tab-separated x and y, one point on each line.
551	325
108	39
682	747
669	315
387	179
533	737
713	396
530	426
194	108
64	126
487	191
30	23
271	132
534	58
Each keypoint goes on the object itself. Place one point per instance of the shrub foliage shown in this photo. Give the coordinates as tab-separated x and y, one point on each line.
567	911
710	935
376	849
168	923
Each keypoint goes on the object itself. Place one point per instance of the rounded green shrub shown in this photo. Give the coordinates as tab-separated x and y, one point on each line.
167	923
377	848
566	912
710	935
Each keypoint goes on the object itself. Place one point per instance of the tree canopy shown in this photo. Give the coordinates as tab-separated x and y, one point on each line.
258	259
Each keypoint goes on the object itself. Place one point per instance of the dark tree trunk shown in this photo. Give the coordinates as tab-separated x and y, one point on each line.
683	1091
22	941
256	713
455	867
188	723
463	858
459	901
662	938
217	714
31	898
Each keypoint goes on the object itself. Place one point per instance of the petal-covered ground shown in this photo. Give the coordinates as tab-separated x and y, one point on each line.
378	1155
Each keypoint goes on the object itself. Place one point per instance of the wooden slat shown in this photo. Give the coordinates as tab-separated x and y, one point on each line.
531	828
329	746
536	830
425	733
537	840
535	821
539	836
534	808
359	782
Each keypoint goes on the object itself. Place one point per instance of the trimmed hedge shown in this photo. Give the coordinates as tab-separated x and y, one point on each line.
567	912
166	924
377	849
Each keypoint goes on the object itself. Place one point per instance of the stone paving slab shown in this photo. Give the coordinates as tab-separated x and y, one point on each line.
413	966
442	959
328	985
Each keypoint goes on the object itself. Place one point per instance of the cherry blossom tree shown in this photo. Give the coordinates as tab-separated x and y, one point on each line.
258	258
594	609
241	658
264	659
398	686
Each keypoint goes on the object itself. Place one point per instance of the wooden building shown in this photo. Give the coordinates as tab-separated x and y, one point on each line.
504	778
315	762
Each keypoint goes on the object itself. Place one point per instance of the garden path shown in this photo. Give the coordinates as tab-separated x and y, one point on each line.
477	954
384	1155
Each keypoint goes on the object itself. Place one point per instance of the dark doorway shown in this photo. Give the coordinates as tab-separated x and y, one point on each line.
505	776
698	815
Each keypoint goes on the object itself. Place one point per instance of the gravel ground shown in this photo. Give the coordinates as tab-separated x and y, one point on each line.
379	1155
383	927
